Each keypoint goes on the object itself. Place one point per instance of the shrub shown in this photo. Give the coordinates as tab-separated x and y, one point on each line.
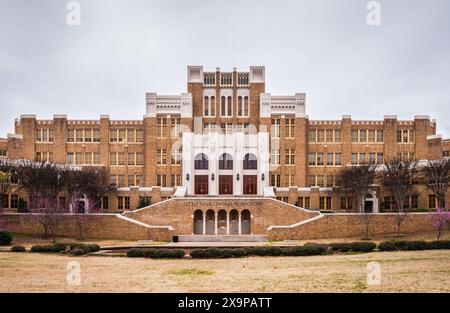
340	247
88	248
387	246
207	253
51	248
414	245
439	244
264	251
5	238
18	249
304	250
362	246
78	251
155	253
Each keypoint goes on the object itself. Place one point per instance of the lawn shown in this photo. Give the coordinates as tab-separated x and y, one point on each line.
409	271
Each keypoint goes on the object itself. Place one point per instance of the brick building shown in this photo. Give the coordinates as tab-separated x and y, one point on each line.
227	137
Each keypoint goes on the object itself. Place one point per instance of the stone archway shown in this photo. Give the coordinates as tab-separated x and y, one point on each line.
245	222
198	222
371	203
210	228
222	222
234	222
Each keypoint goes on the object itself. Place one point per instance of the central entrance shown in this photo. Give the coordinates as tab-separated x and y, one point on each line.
226	184
201	184
250	184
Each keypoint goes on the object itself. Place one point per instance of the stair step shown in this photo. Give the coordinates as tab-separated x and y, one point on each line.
222	238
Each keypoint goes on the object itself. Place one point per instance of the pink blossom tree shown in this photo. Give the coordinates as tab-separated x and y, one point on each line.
440	220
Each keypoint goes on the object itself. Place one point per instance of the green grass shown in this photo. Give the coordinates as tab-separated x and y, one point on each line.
191	272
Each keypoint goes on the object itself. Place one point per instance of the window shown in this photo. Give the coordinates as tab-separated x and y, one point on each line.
330	159
229	105
363	135
414	202
201	162
405	136
307	202
44	135
176	127
275	157
96	135
311	159
320	159
222	106
337	159
432	201
79	135
312	135
14	201
121	181
311	180
379	158
300	202
289	180
250	162
225	162
139	135
175	180
330	180
329	135
44	156
122	135
290	157
275	180
176	156
121	159
123	203
240	106
88	135
380	135
212	110
161	156
320	182
70	135
275	128
161	124
320	135
70	158
246	107
337	135
371	135
139	180
113	135
354	136
289	128
206	106
324	203
354	159
104	203
362	158
161	180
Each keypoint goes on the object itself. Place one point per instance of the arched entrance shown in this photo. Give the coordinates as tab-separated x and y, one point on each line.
371	203
234	222
245	222
210	222
198	222
222	222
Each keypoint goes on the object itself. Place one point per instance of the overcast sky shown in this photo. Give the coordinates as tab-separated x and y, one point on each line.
123	49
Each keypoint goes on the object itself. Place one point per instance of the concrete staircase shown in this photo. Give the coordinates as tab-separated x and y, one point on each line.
222	238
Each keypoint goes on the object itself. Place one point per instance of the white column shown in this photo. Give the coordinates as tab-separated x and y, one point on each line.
239	221
215	223
204	223
228	223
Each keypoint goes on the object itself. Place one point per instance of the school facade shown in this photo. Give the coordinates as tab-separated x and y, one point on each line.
227	138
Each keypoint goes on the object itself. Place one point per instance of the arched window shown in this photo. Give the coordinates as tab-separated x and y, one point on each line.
239	106
229	106
245	222
246	107
201	162
213	106
225	162
222	106
198	222
250	162
206	106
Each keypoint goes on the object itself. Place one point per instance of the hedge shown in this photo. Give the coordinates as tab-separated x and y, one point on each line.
61	247
18	249
5	238
155	253
402	245
363	246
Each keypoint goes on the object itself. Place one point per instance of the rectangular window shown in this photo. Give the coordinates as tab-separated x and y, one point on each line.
96	158
338	159
399	135
113	159
354	159
79	135
131	159
330	180
123	203
88	135
131	180
121	181
307	202
362	158
70	135
96	135
139	135
329	135
79	158
343	203
176	157
371	135
122	137
131	133
139	159
312	135
275	180
322	203
161	155
14	201
105	203
139	180
289	128
290	157
161	124
70	158
275	157
311	180
337	135
363	135
320	135
113	135
176	127
300	202
380	135
320	159
411	135
354	135
320	181
161	180
414	202
372	158
121	159
311	159
275	128
330	159
328	203
432	201
379	158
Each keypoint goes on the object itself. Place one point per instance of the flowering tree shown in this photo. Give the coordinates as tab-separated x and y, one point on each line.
440	220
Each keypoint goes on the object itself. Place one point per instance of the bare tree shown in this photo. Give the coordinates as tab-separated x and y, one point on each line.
43	183
5	183
366	219
357	180
397	178
437	178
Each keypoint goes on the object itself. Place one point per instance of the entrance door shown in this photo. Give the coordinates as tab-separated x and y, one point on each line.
250	184
226	184
201	184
